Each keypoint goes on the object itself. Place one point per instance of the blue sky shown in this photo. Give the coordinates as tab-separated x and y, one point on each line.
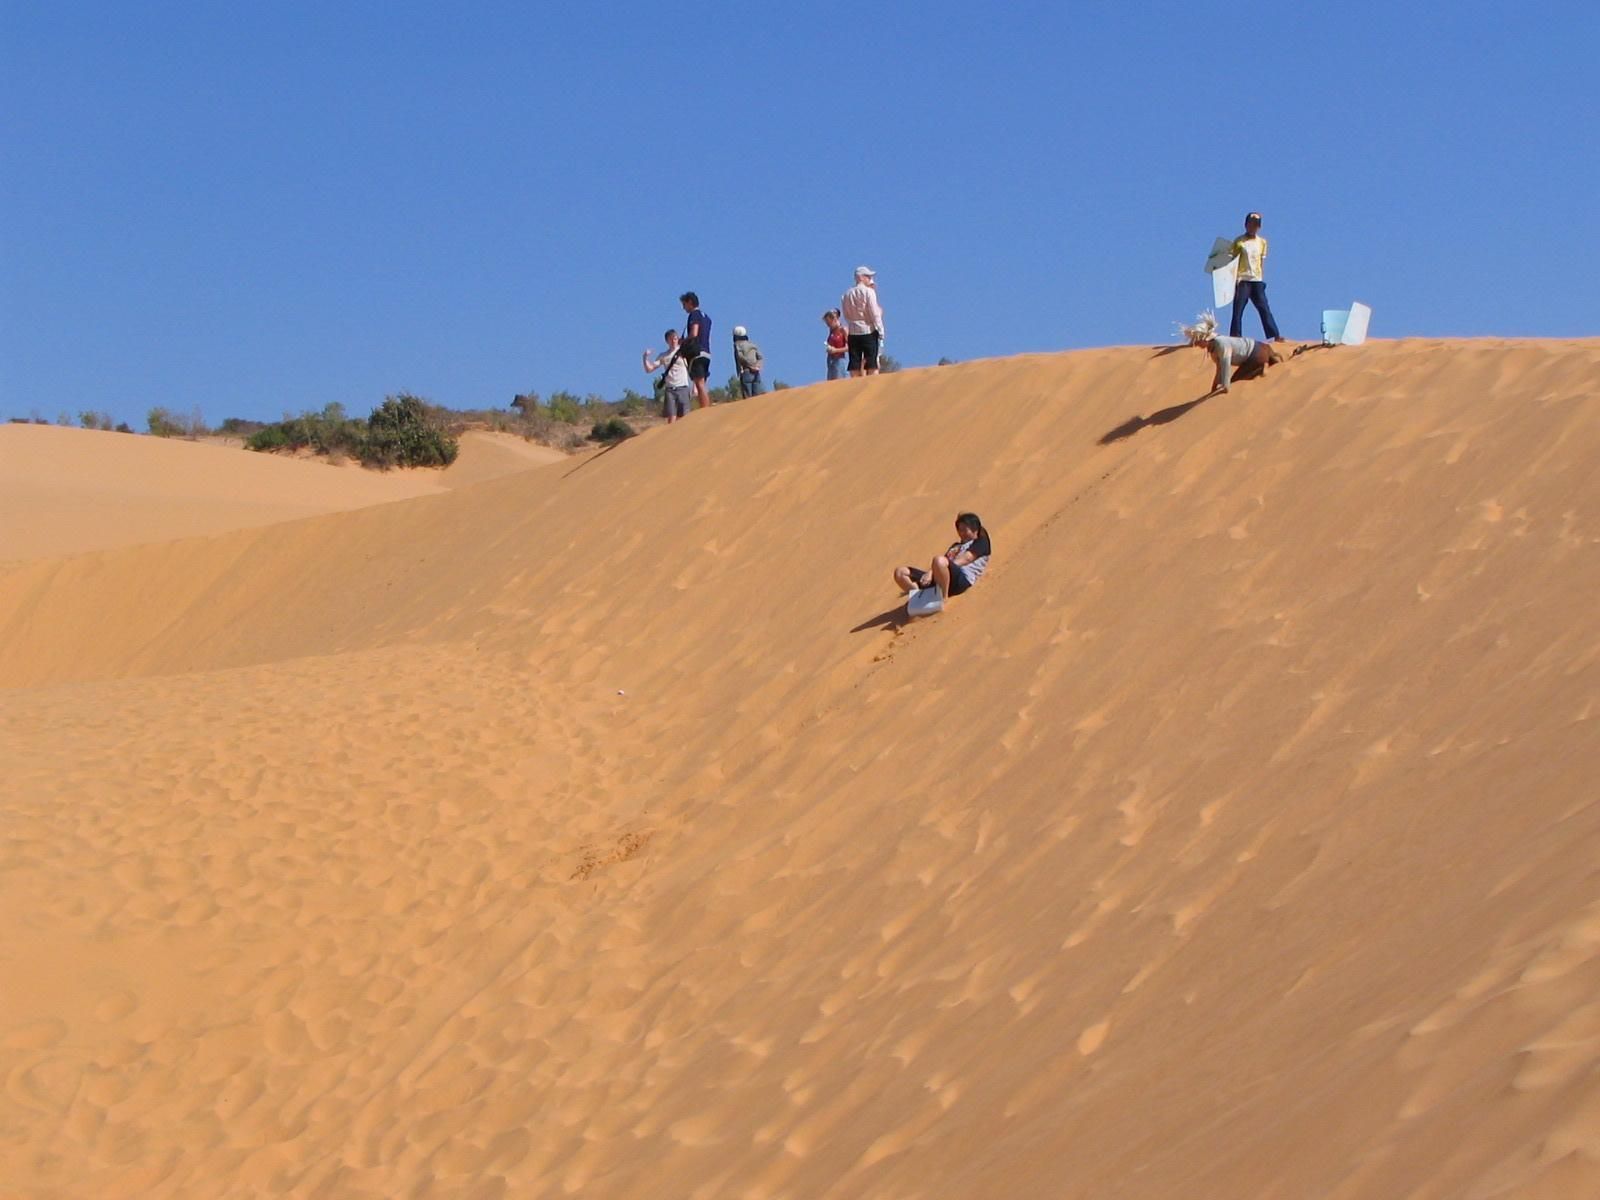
263	208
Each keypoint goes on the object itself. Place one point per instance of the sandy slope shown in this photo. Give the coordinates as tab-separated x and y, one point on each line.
598	831
488	455
64	491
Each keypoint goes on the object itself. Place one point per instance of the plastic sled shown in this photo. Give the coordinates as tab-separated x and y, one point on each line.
1345	327
924	602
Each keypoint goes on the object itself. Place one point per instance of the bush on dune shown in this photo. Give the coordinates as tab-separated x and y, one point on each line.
611	431
403	431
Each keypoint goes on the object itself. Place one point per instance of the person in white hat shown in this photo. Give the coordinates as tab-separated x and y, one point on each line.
863	322
747	358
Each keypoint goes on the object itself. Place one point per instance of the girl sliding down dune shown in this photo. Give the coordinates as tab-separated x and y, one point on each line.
958	568
1240	356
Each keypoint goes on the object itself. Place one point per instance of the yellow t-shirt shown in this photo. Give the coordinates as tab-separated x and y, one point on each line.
1252	252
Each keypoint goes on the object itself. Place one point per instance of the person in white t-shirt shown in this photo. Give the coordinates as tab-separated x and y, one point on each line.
676	389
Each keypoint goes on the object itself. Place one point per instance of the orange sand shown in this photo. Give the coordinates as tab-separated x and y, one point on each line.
64	491
485	455
595	830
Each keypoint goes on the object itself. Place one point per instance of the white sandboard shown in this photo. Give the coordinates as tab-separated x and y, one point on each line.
924	602
1355	329
1222	253
1223	266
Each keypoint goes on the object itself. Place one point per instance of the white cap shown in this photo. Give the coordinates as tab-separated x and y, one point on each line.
868	271
740	331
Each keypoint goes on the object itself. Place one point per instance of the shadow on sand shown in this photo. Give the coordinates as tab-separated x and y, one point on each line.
592	458
1135	423
894	618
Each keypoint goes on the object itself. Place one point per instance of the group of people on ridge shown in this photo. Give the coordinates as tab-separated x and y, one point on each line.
854	344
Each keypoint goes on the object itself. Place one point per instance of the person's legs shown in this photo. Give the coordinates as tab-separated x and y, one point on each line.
908	579
941	574
699	372
1260	359
834	363
677	403
1258	297
858	352
1241	295
871	354
755	383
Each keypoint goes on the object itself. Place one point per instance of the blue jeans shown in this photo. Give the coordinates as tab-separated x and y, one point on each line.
835	366
1255	292
750	383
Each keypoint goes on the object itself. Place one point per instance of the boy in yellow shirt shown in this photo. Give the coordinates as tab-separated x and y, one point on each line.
1252	285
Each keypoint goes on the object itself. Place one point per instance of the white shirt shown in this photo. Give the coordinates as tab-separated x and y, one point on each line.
678	372
861	311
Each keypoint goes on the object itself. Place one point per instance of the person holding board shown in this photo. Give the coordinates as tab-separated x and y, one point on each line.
1250	285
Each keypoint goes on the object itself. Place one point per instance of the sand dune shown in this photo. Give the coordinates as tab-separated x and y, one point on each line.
488	455
601	831
65	491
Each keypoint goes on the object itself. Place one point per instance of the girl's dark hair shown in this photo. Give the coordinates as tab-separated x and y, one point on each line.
971	520
691	298
671	333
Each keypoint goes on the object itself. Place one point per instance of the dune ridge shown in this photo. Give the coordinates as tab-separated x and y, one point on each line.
598	829
66	491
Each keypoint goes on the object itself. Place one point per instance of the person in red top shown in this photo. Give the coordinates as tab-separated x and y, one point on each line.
838	344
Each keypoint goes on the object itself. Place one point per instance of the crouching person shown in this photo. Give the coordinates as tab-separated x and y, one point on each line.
1235	357
958	568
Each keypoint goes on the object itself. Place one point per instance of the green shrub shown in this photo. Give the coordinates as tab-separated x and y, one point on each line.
163	422
564	407
402	432
611	431
268	439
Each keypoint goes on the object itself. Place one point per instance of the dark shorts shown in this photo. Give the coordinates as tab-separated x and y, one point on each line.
863	351
958	579
700	368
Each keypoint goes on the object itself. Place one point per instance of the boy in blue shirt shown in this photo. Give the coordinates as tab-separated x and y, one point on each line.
697	348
